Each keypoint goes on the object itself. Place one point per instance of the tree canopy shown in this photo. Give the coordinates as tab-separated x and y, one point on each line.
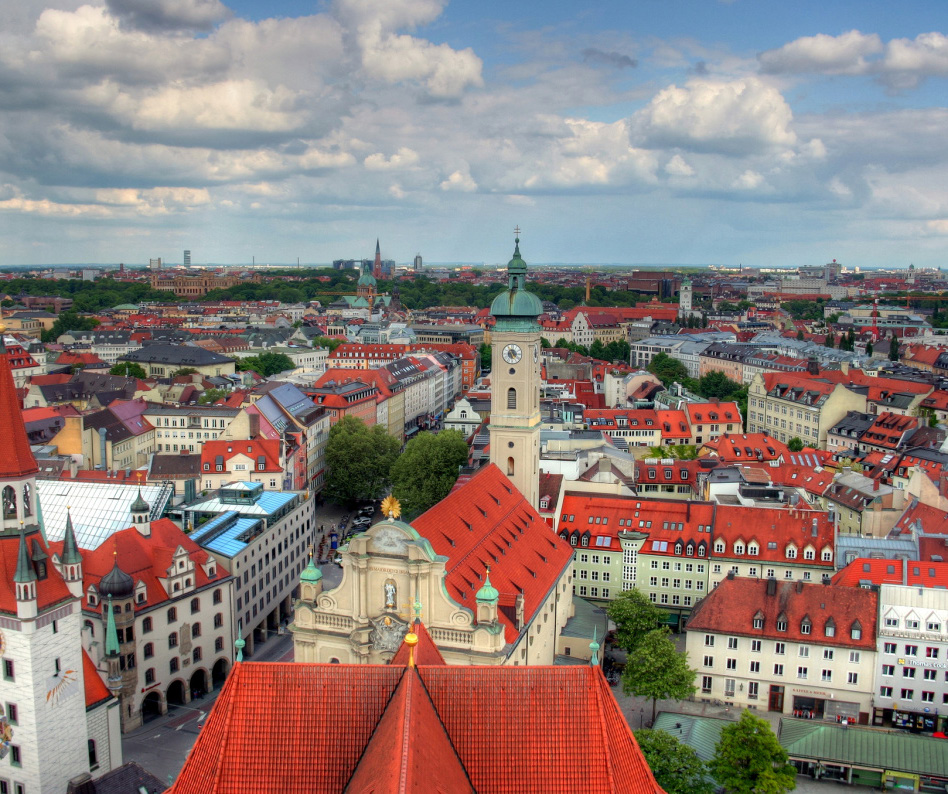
69	320
656	670
330	343
749	758
676	766
359	460
427	470
266	364
128	369
634	616
667	369
795	444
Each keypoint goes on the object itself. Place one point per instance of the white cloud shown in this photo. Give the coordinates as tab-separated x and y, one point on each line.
678	167
735	117
402	159
460	180
749	180
908	61
843	54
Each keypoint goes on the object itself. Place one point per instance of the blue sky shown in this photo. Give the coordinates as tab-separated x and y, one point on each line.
693	131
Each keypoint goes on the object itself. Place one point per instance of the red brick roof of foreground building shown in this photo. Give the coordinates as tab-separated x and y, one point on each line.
510	730
740	447
95	690
425	651
488	522
835	615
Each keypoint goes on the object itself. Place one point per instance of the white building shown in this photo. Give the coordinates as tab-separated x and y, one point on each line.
911	677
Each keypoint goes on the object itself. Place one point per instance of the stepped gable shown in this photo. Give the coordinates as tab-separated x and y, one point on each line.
488	522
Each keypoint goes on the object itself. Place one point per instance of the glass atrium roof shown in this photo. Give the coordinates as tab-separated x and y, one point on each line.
98	509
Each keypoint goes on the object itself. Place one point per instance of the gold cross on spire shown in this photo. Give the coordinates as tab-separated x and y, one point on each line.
517	230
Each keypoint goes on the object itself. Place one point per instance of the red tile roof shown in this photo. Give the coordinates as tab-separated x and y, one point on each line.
425	653
510	730
255	449
145	559
739	447
732	606
17	459
771	525
96	690
488	522
49	591
881	571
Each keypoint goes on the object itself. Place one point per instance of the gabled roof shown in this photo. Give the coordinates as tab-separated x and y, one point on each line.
96	691
488	522
893	571
425	652
739	447
49	591
730	608
511	730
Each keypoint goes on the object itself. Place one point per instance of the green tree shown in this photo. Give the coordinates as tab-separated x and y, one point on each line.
795	444
427	470
211	396
331	343
676	766
266	364
748	758
634	616
893	348
717	385
561	342
486	355
69	320
828	342
360	461
799	336
544	342
656	670
667	369
180	373
597	350
129	369
869	348
618	350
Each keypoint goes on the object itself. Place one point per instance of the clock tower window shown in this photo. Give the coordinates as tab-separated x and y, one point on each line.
510	467
512	399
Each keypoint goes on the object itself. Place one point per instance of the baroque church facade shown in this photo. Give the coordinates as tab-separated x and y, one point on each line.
491	582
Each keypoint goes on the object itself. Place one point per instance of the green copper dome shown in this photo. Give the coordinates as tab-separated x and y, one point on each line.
311	574
516	306
488	593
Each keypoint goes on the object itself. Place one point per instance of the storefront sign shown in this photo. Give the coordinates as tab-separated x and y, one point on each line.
924	663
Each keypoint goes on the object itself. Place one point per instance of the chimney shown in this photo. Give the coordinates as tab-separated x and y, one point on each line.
875	485
816	526
771	586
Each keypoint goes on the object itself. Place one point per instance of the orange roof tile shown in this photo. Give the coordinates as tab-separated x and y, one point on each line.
487	521
17	459
96	690
426	652
513	730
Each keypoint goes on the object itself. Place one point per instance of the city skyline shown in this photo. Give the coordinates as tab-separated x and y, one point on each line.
727	132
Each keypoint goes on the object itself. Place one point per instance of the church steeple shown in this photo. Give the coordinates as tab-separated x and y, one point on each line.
377	269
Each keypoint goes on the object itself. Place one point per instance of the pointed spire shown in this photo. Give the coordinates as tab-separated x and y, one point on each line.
378	251
594	650
71	555
17	460
24	568
111	633
239	643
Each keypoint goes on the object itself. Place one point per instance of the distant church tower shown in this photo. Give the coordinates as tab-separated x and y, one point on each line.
377	268
515	381
684	298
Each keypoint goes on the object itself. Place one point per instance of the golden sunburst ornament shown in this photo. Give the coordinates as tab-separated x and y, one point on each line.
391	507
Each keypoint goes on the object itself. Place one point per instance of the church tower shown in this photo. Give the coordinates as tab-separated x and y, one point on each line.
377	267
45	734
515	381
685	296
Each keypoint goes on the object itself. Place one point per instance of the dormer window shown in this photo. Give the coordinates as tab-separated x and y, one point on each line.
739	548
759	620
830	628
856	631
719	547
782	622
791	552
805	626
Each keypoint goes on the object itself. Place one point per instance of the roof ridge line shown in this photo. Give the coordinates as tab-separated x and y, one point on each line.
406	749
231	679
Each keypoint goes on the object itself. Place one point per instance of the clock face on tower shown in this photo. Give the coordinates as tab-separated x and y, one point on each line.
512	354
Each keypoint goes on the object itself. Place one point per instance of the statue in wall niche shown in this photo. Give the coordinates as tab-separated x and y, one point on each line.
390	594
